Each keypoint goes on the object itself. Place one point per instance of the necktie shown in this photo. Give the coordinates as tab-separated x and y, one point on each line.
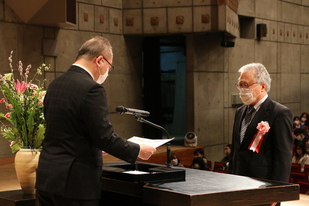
245	122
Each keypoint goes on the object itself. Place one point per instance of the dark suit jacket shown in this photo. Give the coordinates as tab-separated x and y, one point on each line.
78	128
274	159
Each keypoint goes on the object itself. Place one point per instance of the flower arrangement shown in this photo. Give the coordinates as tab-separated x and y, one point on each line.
263	128
25	125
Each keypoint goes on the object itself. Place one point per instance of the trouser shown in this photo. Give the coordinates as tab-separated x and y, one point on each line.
48	199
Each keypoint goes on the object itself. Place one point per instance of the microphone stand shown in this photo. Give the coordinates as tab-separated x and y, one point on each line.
168	145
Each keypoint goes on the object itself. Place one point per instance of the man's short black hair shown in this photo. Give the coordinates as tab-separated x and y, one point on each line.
299	131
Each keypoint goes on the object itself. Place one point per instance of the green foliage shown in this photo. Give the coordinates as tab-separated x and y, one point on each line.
24	100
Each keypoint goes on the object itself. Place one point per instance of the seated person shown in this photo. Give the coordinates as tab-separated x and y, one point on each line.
175	161
200	153
300	135
300	156
304	121
296	122
199	163
226	159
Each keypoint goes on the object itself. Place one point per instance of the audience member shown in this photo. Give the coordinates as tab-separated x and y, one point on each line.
296	122
175	161
300	156
304	121
200	153
199	163
226	159
300	135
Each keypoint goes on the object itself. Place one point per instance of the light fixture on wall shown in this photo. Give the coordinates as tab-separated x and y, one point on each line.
226	43
190	139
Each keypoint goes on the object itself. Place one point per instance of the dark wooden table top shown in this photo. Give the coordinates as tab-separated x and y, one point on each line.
207	188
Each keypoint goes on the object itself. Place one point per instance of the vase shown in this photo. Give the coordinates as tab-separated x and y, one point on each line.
26	161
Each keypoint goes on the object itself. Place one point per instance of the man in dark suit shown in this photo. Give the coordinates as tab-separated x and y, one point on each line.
77	129
265	155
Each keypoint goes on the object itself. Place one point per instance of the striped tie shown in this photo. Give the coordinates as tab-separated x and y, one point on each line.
245	122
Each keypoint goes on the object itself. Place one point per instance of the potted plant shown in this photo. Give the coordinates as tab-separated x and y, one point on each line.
23	123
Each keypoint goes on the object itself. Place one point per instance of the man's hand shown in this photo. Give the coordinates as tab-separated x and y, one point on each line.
146	151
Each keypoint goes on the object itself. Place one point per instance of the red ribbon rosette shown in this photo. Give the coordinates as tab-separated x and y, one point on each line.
263	128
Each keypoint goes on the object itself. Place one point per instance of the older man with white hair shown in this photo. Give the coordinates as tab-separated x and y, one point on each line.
262	134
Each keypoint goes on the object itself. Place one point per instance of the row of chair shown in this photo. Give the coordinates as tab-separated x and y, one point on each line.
218	167
297	168
299	177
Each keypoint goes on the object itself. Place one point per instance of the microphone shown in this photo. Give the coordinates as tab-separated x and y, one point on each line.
124	110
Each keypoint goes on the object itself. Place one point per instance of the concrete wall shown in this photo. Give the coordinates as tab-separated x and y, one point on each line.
211	69
123	85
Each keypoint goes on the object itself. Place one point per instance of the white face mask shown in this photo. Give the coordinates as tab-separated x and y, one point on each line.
102	78
246	96
299	137
303	119
296	122
174	161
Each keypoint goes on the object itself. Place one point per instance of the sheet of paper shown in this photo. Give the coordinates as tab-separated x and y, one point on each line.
152	142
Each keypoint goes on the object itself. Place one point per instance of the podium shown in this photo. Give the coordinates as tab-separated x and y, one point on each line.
199	188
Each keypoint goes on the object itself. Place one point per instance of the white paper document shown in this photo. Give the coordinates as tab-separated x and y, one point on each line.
152	142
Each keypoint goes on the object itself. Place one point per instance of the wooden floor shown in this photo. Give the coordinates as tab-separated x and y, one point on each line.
8	179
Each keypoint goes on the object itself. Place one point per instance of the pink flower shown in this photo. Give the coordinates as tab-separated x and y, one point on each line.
33	87
20	87
2	100
263	127
7	115
9	106
12	143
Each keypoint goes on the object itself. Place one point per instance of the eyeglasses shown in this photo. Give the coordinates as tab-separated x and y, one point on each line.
245	85
112	67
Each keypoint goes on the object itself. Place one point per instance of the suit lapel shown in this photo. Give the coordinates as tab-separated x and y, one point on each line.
260	115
